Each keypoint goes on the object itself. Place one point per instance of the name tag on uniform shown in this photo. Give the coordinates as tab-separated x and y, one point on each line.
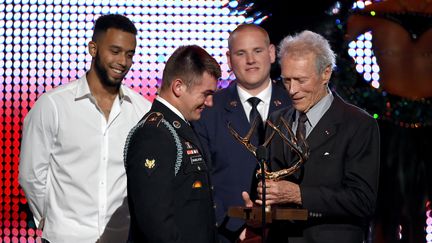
196	159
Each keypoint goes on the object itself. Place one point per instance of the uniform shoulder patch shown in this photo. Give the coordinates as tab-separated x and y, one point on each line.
154	118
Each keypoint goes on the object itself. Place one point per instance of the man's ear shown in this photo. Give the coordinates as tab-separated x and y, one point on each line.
178	87
326	75
228	56
272	53
92	48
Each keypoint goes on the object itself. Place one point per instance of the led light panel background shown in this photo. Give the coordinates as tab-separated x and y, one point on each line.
361	51
43	43
428	222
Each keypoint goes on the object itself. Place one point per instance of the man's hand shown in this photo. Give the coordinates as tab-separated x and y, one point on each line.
279	192
251	223
247	201
242	235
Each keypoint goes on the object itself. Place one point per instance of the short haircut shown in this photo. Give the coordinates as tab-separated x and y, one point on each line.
115	21
189	63
305	43
245	27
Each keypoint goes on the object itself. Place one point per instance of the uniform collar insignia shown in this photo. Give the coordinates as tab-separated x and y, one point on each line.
176	124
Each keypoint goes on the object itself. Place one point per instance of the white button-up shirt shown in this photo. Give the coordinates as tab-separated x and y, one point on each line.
263	107
71	162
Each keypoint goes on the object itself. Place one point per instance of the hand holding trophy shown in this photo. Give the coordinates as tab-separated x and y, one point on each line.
265	214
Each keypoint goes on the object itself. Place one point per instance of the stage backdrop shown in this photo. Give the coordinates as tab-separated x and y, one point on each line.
43	44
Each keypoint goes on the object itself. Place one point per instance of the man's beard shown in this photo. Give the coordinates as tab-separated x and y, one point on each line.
103	74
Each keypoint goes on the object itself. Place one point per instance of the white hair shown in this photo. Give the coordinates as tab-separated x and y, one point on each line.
305	43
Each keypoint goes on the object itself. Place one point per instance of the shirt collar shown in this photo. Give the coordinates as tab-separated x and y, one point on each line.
172	108
83	91
264	95
317	111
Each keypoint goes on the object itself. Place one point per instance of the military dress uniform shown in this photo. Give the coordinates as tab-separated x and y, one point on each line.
169	189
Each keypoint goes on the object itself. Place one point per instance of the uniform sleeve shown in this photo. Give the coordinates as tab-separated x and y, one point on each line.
39	131
151	157
357	192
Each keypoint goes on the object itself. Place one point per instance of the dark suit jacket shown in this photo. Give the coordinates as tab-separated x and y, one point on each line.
339	181
169	191
233	166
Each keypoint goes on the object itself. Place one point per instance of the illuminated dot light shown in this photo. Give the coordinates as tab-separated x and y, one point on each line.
361	51
428	222
43	45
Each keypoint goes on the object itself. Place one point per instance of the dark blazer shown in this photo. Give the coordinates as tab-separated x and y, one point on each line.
168	184
339	181
233	166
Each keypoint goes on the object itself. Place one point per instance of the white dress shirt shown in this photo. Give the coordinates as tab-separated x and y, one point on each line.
263	107
71	162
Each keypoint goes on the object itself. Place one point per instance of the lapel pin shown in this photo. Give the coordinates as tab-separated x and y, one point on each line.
277	103
327	132
326	153
233	103
176	124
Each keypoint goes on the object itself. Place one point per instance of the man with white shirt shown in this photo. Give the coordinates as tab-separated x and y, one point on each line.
169	188
71	161
252	96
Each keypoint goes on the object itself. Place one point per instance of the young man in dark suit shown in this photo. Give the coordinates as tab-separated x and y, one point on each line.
169	190
250	57
338	183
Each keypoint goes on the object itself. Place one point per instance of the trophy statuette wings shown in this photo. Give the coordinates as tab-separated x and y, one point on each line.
298	146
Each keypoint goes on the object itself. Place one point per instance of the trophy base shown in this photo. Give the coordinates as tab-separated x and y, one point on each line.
274	213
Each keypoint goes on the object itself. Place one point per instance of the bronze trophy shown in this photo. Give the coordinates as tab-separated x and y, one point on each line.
299	147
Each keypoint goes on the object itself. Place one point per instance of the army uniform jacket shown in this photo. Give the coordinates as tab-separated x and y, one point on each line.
169	191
